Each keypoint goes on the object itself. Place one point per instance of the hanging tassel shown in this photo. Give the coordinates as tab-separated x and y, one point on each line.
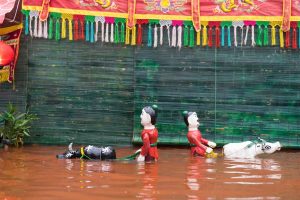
218	37
33	18
246	35
76	30
149	44
294	39
96	31
252	36
50	32
112	33
298	36
293	26
210	43
273	36
30	26
117	33
281	38
235	36
45	29
35	32
169	39
26	24
192	37
102	31
57	29
122	39
228	37
26	13
106	32
63	28
259	37
40	31
92	37
81	30
266	36
174	36
161	28
242	35
133	35
179	40
70	29
287	39
87	31
198	38
155	36
127	36
140	33
222	36
204	36
185	36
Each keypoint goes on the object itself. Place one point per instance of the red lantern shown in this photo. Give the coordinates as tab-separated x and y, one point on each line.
6	54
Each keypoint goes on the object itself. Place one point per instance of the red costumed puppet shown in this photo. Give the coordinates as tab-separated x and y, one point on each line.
149	135
199	145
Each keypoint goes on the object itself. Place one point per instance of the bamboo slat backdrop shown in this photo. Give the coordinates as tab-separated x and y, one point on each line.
93	93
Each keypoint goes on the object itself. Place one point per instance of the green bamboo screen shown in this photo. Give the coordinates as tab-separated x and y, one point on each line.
93	93
239	94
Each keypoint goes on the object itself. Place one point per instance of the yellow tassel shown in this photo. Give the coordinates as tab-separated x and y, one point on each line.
273	33
198	38
127	36
70	30
68	17
133	35
281	38
63	28
204	36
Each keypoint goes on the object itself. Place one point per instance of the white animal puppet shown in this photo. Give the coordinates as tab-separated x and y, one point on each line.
249	149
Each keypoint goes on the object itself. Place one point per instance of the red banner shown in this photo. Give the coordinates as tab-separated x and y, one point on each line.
170	9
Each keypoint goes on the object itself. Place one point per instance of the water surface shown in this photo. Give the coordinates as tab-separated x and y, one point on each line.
33	172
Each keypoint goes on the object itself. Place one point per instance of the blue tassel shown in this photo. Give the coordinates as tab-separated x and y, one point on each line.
92	37
228	36
149	36
87	36
26	25
222	37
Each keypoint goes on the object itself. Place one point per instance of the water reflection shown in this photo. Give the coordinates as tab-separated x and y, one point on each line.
256	171
199	169
86	170
89	166
147	172
199	172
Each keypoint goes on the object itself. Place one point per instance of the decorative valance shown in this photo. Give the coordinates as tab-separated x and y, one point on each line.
184	22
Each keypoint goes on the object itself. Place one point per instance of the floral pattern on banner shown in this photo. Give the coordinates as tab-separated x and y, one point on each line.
106	4
165	6
295	7
226	6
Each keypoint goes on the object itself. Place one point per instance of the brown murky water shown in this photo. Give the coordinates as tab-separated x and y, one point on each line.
33	172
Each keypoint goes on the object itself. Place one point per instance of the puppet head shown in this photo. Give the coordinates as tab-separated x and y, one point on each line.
191	119
149	115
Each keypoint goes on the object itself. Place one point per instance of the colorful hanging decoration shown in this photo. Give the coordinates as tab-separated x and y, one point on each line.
9	50
176	23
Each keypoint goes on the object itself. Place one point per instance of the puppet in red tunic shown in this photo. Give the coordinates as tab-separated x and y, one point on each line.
199	145
149	134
